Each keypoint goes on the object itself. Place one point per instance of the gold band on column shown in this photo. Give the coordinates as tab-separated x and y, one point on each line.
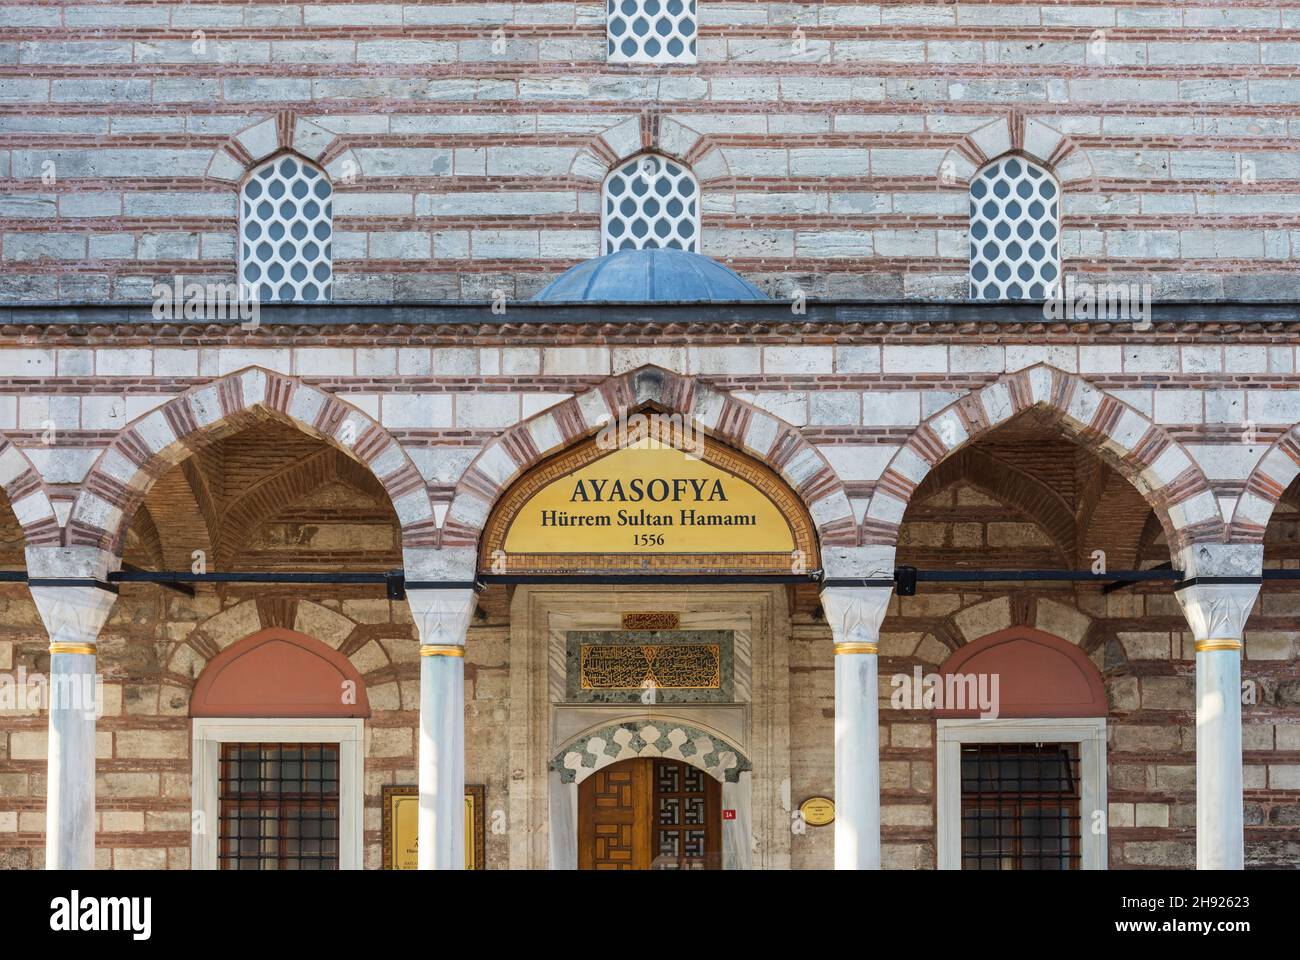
73	648
441	650
1219	643
856	647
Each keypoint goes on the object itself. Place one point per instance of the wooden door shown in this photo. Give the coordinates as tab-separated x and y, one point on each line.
649	814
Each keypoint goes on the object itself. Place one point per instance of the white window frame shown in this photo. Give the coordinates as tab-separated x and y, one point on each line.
209	733
1088	732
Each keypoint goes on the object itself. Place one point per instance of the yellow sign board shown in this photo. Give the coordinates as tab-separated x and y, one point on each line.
649	499
649	506
401	817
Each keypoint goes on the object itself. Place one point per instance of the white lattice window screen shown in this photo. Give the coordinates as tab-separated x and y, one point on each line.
651	201
285	229
651	31
1014	232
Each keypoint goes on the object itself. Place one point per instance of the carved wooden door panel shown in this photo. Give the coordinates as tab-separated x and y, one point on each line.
686	818
613	821
649	814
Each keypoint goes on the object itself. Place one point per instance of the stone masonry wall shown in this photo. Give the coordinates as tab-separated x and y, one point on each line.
150	653
468	141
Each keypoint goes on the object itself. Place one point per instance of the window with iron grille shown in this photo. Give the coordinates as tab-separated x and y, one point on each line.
1014	241
650	31
279	806
1020	806
651	202
285	232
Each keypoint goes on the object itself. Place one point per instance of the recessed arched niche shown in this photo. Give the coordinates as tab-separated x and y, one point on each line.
279	673
1038	675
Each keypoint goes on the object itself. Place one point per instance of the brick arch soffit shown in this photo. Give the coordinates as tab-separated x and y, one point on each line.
282	132
267	496
1024	136
985	472
1270	479
29	501
740	425
1139	449
153	443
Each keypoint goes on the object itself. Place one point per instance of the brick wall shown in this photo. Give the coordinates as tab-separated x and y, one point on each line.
468	140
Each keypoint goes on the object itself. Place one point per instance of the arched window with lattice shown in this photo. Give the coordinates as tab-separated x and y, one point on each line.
650	31
650	201
1015	251
285	231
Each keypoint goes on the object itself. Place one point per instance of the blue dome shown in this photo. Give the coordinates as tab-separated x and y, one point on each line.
643	276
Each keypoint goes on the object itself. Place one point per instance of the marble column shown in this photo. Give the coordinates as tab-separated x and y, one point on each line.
442	618
73	613
855	615
1217	612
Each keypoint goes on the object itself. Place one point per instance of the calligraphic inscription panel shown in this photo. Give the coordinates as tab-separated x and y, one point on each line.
663	666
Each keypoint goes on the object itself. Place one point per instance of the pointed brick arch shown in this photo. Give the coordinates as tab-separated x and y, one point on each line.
1273	474
166	436
1140	450
741	425
25	489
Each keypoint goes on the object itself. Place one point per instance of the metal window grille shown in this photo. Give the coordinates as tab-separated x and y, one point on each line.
1014	232
1020	806
651	202
279	806
650	31
285	232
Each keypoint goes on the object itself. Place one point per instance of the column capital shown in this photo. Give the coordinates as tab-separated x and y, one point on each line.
442	618
1217	612
855	615
73	615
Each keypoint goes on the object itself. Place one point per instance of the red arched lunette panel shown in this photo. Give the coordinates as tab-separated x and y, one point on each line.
1039	675
279	673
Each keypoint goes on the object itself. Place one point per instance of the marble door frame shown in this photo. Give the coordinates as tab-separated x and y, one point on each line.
745	745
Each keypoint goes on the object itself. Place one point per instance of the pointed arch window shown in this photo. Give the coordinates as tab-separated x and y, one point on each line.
650	201
1014	231
285	231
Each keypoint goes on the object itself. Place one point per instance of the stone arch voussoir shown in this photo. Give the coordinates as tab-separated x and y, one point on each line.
282	132
741	425
1268	481
25	489
1028	136
155	442
629	739
1139	449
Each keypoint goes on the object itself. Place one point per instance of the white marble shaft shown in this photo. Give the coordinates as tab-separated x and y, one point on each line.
855	615
442	618
1217	614
73	616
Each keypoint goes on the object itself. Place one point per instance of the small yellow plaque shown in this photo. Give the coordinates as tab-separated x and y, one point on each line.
817	811
401	813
